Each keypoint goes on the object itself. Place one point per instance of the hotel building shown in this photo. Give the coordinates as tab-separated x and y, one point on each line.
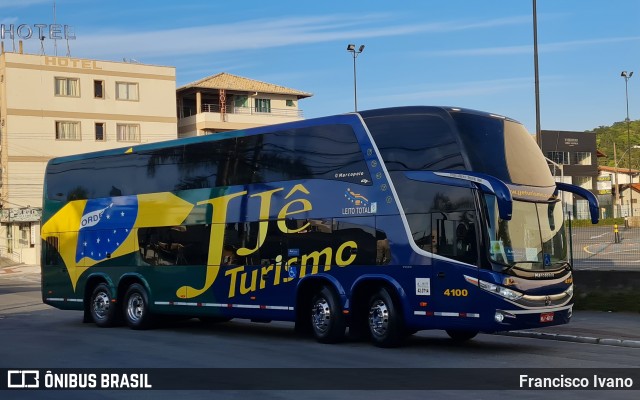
56	106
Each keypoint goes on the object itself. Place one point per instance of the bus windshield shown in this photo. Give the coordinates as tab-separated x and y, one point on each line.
532	240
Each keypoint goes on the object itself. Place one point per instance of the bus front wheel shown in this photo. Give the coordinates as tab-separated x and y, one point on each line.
101	306
385	324
327	321
136	307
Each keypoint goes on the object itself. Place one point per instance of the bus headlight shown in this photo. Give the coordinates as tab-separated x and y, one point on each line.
509	294
569	291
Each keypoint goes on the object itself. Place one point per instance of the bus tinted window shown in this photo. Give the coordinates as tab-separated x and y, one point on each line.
515	156
415	142
175	245
317	152
442	218
320	152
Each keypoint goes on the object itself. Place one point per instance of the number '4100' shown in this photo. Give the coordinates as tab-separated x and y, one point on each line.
456	292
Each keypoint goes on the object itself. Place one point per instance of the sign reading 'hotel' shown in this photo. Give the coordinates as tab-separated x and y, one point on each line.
37	31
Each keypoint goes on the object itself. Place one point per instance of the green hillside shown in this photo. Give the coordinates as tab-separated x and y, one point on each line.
607	135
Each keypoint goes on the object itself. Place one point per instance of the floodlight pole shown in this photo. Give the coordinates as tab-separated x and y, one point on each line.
352	49
536	75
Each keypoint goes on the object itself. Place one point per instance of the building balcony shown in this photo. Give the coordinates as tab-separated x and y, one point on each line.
230	109
213	118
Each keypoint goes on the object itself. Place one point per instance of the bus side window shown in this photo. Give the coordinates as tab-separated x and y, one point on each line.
174	245
241	235
455	235
360	230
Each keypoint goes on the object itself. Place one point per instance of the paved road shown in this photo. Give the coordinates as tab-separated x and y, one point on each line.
33	335
596	248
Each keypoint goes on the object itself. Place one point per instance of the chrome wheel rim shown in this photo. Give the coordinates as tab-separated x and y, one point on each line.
379	318
135	307
321	315
100	305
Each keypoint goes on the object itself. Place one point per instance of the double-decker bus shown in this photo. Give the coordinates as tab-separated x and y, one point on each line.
383	222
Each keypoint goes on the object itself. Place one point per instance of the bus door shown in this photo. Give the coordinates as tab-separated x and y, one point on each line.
54	270
455	251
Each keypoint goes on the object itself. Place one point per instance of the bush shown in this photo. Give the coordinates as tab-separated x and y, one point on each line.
602	222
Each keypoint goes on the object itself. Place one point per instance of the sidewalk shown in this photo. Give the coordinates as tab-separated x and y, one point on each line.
594	327
9	269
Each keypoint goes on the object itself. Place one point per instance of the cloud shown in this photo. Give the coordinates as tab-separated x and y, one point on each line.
22	3
263	33
528	49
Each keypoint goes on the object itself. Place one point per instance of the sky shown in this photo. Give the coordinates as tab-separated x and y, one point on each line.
466	53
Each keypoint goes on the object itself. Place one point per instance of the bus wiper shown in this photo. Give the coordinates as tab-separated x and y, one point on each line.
561	265
514	263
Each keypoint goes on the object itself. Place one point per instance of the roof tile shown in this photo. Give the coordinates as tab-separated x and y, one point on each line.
228	81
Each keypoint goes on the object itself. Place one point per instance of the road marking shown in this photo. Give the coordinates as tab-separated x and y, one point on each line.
599	236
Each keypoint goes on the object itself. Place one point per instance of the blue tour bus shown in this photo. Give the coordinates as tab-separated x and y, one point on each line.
383	222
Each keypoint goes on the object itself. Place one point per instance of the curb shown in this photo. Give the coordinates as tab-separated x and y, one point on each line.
574	338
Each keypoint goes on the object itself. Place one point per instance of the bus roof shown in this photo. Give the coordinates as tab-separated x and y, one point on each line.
340	118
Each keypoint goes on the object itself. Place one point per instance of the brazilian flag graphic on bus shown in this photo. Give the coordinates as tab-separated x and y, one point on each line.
92	231
104	226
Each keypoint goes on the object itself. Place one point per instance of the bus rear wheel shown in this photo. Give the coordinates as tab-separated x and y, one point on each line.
136	307
327	321
460	335
101	306
385	323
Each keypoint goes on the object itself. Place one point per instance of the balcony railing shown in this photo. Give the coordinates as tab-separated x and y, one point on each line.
230	109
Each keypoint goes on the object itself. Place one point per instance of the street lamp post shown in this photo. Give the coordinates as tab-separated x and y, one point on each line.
352	49
626	77
535	72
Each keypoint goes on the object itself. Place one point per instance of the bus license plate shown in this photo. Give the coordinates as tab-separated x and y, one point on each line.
546	317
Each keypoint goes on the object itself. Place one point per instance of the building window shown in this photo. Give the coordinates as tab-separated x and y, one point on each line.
100	131
127	91
25	234
290	103
560	157
98	89
241	101
583	158
128	132
68	87
585	182
263	105
67	130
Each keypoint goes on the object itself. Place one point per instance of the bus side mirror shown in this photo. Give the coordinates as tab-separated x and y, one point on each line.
585	194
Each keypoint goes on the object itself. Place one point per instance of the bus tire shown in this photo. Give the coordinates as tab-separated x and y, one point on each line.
101	306
327	320
461	335
136	307
385	321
